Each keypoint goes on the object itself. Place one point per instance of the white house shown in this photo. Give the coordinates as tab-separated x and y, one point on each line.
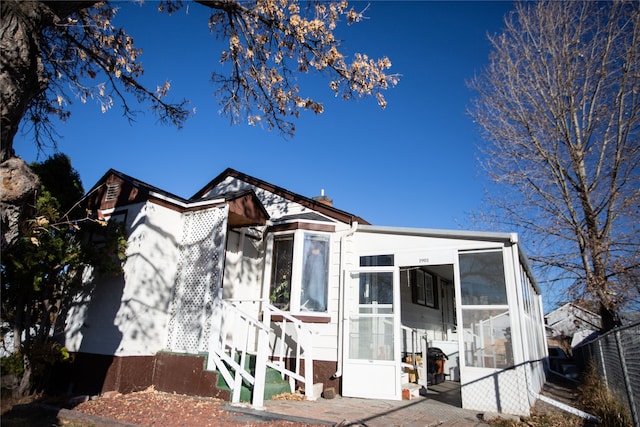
572	322
246	273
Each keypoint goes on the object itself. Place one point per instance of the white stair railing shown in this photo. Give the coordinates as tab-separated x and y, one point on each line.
234	332
414	346
294	341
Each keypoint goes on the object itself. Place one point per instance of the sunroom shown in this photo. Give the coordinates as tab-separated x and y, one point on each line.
468	294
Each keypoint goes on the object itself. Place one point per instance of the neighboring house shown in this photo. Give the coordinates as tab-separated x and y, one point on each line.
571	323
246	273
629	318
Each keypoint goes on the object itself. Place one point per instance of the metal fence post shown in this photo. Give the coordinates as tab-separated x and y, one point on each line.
603	366
627	382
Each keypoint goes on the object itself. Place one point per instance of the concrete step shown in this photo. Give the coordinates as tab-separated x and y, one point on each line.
410	391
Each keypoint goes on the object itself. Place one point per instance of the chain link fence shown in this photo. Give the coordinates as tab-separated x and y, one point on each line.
616	356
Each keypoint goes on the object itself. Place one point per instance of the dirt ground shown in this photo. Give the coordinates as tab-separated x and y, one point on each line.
160	409
144	408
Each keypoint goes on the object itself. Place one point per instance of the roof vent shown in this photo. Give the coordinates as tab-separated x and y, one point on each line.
325	200
112	192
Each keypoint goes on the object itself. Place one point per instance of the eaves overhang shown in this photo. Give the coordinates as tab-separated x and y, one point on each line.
329	211
446	234
116	189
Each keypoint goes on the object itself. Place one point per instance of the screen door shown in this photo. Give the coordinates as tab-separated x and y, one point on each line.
372	334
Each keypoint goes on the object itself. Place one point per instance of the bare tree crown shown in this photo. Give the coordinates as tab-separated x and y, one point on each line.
559	108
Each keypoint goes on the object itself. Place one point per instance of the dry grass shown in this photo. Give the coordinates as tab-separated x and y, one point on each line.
289	396
595	395
545	420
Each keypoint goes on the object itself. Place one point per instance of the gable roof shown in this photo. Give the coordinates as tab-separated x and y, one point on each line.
568	313
118	189
307	202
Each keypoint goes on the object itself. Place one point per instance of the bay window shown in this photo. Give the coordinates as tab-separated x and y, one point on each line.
299	279
282	259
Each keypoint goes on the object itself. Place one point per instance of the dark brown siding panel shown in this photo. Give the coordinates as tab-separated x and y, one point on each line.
301	226
135	373
111	378
323	372
184	374
129	374
93	374
303	318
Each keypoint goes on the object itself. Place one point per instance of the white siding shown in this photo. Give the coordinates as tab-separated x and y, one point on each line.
417	250
244	267
129	313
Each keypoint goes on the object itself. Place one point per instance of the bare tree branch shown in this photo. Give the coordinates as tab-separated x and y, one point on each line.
559	107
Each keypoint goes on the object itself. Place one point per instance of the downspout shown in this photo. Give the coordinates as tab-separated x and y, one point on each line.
525	350
341	284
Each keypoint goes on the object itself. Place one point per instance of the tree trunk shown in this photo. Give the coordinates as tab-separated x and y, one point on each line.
22	74
22	78
18	324
24	388
608	318
18	187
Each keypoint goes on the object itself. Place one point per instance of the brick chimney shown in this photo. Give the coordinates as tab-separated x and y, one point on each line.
325	200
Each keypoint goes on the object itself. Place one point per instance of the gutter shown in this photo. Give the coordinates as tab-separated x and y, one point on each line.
341	284
448	234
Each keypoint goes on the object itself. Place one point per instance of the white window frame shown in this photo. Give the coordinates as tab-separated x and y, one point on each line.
296	269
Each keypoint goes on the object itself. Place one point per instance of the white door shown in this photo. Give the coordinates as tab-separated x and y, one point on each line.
372	334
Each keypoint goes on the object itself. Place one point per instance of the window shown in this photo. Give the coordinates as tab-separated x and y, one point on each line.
376	261
280	292
483	280
371	331
485	312
315	273
300	272
424	290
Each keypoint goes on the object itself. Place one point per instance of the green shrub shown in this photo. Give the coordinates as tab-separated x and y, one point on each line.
12	364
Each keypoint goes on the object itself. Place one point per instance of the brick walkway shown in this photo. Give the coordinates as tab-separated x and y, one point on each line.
441	407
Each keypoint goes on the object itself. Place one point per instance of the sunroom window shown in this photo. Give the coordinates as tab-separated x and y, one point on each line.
300	272
485	310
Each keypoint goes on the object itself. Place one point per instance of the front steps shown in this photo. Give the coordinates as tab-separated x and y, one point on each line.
274	383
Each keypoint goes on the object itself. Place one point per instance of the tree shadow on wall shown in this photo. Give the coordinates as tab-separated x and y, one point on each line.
94	325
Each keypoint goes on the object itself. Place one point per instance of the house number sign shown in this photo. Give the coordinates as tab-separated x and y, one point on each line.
424	257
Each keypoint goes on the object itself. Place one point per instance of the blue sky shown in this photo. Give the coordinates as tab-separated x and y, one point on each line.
413	164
